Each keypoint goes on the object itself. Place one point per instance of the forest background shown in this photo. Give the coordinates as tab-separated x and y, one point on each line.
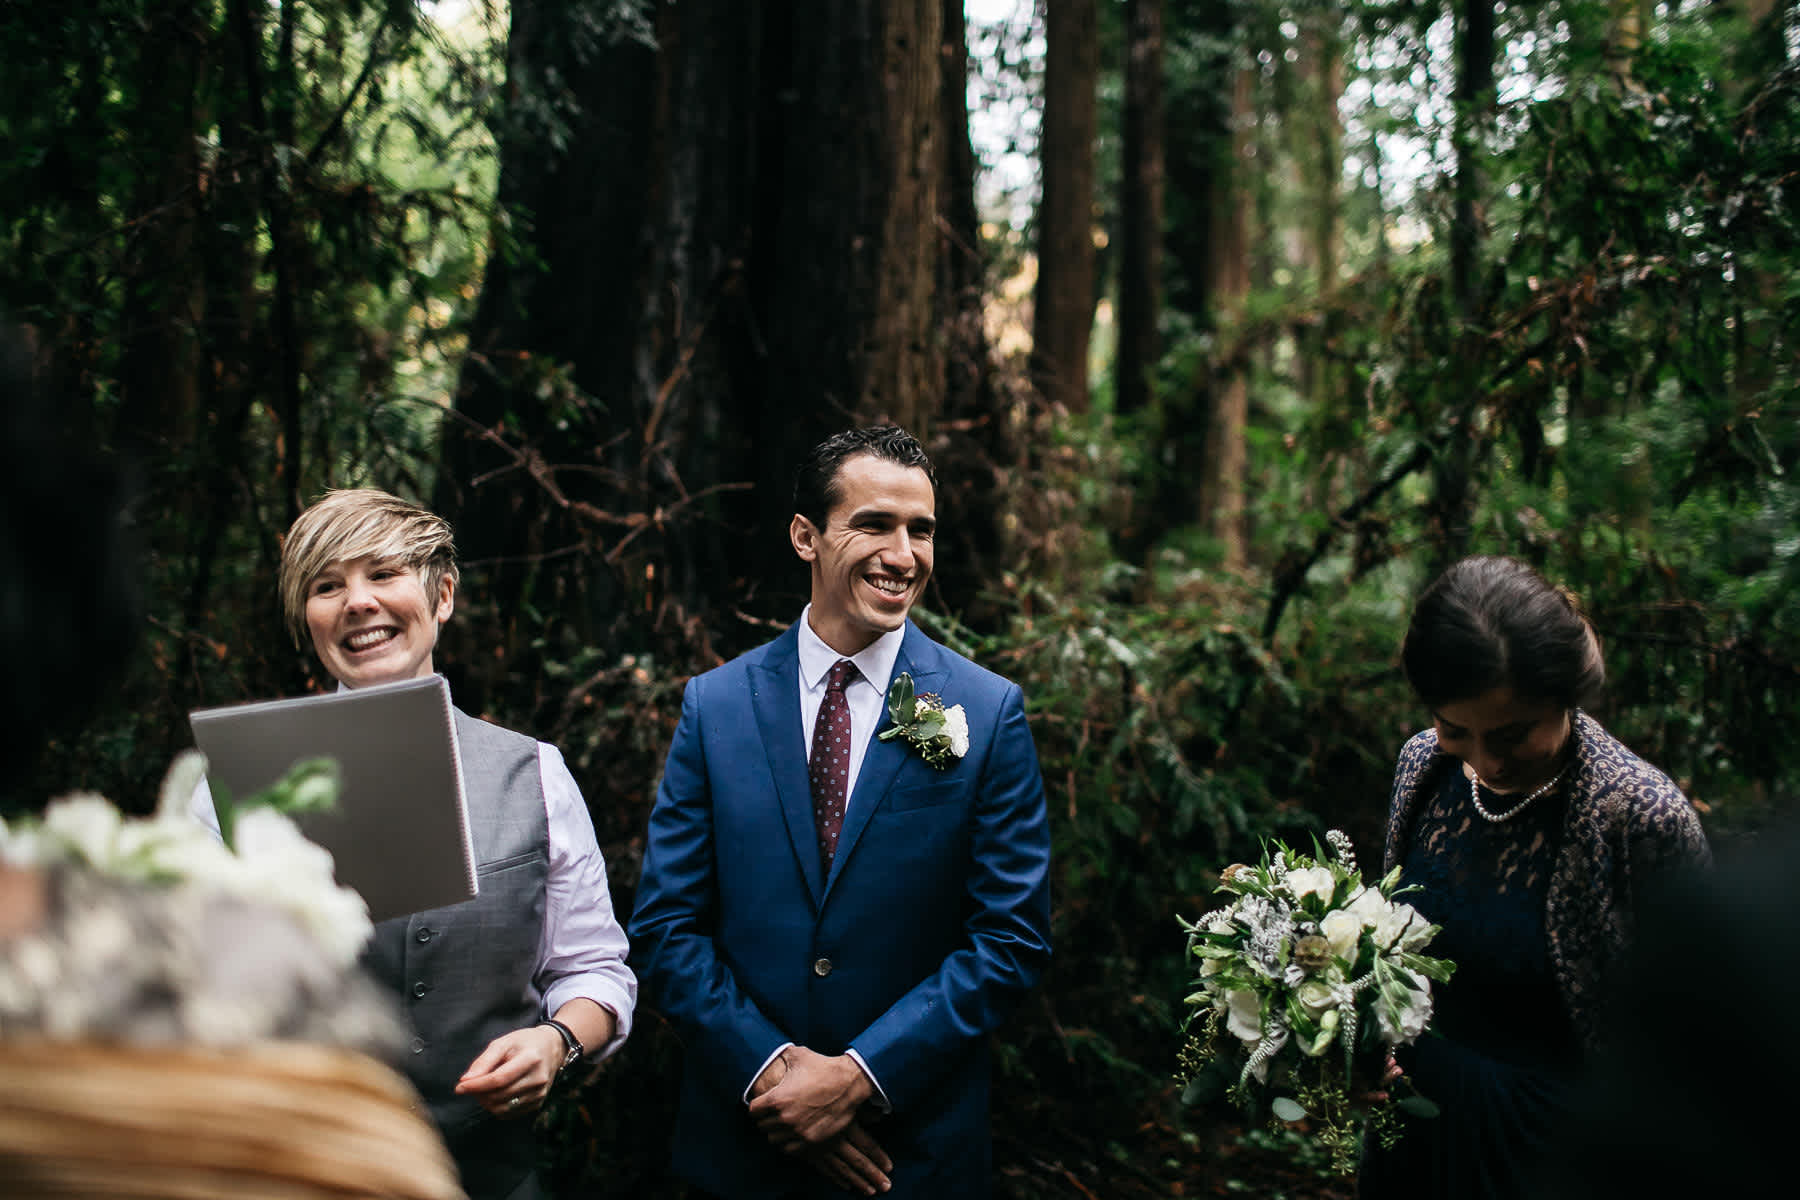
1228	324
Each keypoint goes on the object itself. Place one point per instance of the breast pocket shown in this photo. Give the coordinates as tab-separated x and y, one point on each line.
499	866
934	793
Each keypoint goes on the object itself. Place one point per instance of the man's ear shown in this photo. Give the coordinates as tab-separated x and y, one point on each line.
805	537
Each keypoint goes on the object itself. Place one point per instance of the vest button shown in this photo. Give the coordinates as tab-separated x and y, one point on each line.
420	988
424	935
822	968
418	1045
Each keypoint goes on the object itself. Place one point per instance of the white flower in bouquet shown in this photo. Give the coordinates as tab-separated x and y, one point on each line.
1342	928
1311	881
1316	996
1244	1015
297	875
86	825
1402	1023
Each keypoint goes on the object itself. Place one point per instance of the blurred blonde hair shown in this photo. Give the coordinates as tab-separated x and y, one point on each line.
352	523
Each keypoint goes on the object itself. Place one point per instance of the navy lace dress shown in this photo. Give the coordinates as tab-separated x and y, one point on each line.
1501	1053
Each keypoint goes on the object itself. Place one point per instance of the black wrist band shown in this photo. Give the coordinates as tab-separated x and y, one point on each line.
573	1043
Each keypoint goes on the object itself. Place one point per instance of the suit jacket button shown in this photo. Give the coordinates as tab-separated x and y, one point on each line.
822	968
420	988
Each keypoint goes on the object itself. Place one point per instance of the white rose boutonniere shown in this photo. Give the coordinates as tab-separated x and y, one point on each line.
939	735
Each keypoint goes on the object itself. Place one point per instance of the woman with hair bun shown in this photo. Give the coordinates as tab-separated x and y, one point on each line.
1534	836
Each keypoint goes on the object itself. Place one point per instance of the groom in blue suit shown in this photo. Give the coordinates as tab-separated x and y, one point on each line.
833	920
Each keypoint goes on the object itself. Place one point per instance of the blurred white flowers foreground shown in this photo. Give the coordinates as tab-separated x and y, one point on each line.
265	858
1307	980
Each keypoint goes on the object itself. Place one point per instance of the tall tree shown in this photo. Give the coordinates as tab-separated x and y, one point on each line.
1473	97
1319	153
1227	411
1140	210
1199	459
780	266
1063	300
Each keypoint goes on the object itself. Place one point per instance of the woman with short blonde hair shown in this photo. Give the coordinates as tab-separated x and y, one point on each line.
507	992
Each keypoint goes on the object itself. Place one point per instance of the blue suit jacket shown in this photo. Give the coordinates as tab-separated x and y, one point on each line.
933	920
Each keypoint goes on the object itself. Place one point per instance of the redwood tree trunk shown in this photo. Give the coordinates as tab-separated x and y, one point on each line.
1223	469
1140	210
1473	95
1063	315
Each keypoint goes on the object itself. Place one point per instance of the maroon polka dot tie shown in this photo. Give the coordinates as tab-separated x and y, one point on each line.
829	767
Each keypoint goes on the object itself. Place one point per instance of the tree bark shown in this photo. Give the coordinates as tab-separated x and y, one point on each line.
1063	313
1473	97
1222	471
1140	211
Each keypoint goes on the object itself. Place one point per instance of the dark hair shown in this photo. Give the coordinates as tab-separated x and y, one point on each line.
816	482
1491	622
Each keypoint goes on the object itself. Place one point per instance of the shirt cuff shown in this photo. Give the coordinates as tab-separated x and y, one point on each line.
881	1100
764	1067
605	992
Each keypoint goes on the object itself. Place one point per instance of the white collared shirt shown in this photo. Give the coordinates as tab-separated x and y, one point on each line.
866	696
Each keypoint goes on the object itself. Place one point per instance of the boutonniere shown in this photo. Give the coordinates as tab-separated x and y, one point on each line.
940	735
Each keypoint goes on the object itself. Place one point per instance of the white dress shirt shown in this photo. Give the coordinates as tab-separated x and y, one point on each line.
582	947
866	696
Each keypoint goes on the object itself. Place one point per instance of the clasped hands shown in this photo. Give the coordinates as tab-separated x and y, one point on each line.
806	1103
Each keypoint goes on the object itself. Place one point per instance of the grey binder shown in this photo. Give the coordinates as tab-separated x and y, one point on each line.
400	830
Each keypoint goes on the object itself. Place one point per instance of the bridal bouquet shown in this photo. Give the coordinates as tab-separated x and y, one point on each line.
1307	979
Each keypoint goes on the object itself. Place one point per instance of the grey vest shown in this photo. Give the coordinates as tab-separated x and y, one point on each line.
464	974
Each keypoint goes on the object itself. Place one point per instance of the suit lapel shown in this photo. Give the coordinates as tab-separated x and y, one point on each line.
777	706
882	760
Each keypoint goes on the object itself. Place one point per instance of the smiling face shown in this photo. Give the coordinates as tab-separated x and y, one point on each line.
371	621
871	561
1513	743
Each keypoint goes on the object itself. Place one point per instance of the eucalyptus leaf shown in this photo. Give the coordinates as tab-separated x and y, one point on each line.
1286	1108
900	699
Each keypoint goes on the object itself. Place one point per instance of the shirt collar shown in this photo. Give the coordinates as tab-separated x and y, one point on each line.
875	661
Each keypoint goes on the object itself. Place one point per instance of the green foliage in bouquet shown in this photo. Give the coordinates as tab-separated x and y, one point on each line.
1307	980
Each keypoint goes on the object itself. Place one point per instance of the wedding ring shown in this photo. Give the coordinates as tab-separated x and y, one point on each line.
512	1104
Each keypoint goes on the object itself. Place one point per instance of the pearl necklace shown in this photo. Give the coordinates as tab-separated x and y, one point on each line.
1515	810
